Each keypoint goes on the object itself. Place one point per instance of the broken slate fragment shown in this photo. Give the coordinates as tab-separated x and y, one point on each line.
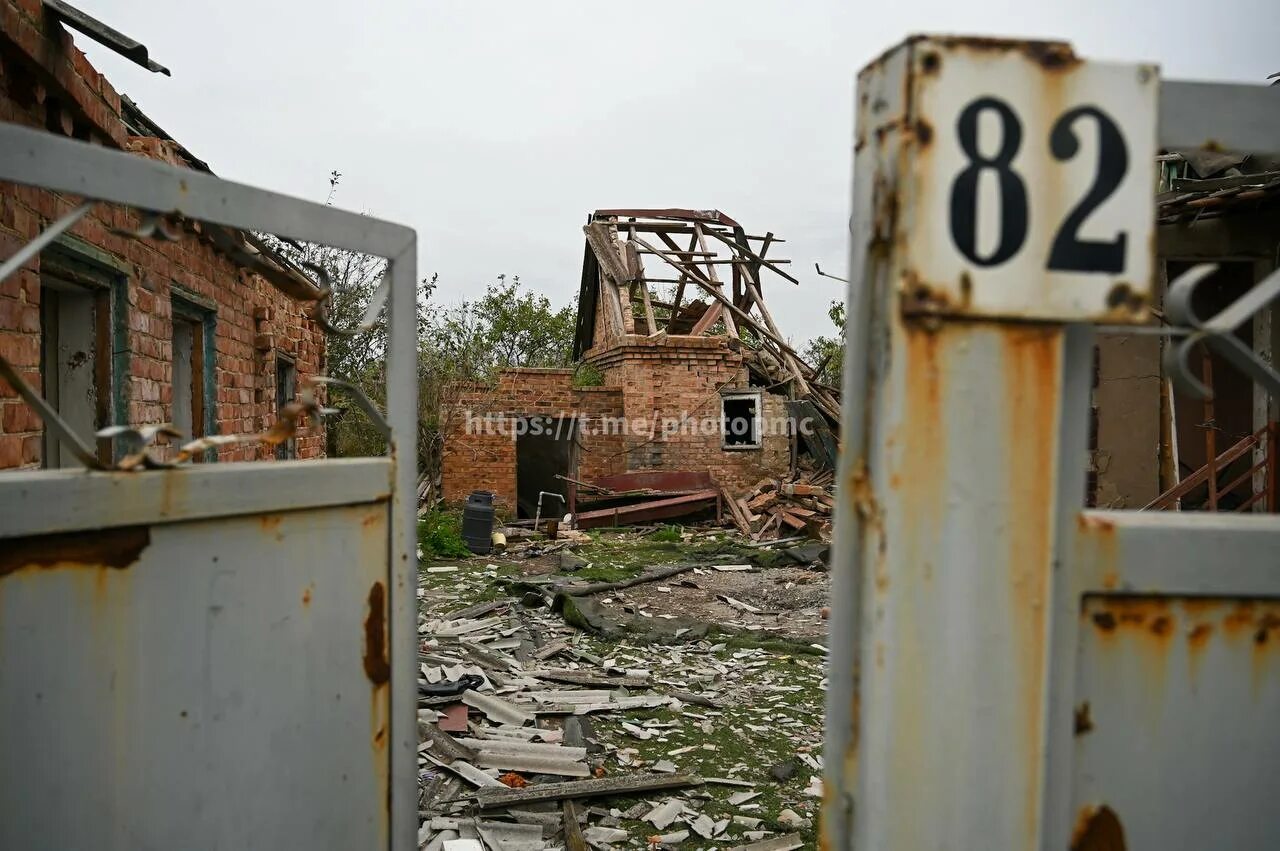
792	819
605	835
665	813
570	562
704	826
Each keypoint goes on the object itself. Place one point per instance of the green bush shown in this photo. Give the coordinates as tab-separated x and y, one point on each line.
669	534
440	534
588	375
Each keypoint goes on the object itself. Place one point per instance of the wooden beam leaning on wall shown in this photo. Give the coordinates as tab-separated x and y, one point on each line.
612	272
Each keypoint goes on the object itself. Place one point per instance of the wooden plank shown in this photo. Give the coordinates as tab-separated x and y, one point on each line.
769	527
789	842
490	798
735	512
612	272
655	510
573	840
675	304
715	281
790	519
753	255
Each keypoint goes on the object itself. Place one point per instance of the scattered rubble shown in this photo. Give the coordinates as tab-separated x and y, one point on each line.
785	509
558	737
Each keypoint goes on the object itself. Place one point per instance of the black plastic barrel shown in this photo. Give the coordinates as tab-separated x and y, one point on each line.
477	522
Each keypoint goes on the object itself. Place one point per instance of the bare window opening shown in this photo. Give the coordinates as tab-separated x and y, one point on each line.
74	362
184	395
192	401
286	389
740	419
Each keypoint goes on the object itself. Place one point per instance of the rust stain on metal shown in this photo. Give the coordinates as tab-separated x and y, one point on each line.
1123	299
1197	640
869	512
1240	620
376	666
930	62
919	299
115	549
1097	829
1269	623
1031	361
1083	720
1111	613
306	596
1198	636
173	487
1050	55
924	132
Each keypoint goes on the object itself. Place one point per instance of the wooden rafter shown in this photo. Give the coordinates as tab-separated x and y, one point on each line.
622	239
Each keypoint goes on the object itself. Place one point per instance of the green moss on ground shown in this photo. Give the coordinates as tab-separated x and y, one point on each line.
732	742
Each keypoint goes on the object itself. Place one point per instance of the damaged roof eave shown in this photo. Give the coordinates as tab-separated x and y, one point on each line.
108	37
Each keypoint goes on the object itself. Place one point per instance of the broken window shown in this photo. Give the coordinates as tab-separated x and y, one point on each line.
193	405
740	420
76	355
286	388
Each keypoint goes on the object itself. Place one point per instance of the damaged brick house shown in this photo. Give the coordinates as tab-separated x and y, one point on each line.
125	318
696	390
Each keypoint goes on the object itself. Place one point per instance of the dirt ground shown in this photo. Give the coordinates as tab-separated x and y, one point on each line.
791	598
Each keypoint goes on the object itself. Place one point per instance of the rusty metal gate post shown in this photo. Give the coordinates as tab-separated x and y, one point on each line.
1002	205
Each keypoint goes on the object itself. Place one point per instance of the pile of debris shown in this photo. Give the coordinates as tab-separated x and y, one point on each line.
777	509
510	760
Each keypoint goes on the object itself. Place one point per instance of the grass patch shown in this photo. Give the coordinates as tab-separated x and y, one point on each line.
668	534
440	535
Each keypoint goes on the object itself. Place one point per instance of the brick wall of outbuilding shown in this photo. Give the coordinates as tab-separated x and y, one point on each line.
679	380
46	83
483	456
648	383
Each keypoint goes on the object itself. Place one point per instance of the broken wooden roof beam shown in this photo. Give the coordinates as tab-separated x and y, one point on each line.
492	797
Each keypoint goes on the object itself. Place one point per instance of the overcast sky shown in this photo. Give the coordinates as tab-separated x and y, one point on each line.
493	128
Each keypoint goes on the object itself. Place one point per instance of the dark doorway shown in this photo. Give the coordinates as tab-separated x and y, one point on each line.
544	449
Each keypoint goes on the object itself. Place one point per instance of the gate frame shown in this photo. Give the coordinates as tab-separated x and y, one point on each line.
40	159
997	791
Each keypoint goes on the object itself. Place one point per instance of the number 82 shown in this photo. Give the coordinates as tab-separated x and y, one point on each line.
1068	253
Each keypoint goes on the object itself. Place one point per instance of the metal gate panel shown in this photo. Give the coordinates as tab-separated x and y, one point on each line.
197	684
212	656
1177	700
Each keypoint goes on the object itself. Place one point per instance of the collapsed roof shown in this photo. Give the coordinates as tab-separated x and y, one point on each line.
712	267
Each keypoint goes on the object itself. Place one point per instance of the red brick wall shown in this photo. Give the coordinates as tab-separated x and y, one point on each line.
646	382
681	379
46	82
486	459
